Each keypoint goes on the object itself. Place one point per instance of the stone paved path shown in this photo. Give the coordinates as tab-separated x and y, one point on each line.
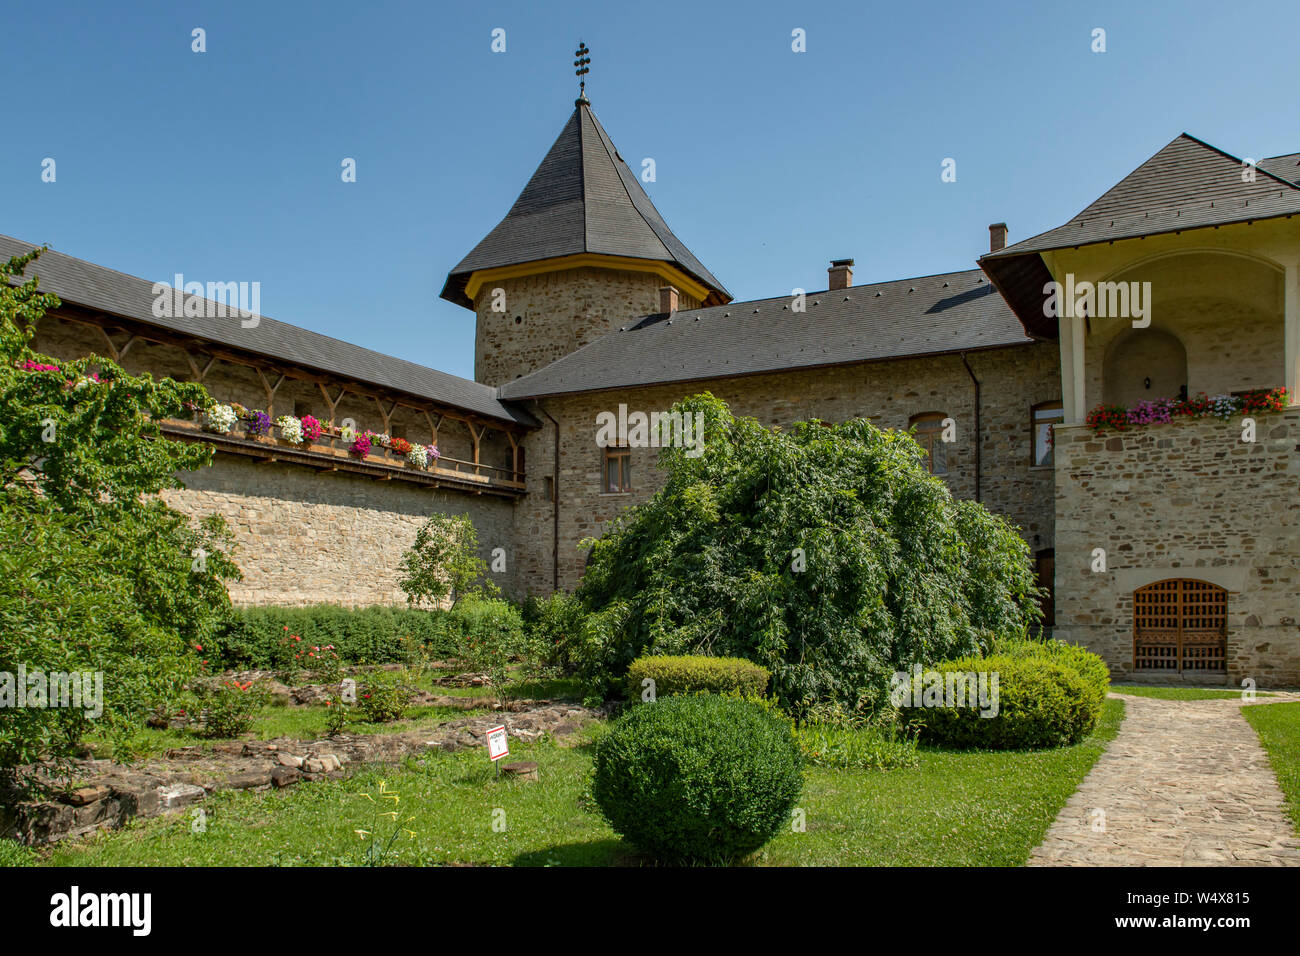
1184	783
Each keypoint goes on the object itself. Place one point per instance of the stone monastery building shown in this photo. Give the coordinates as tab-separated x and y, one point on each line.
1172	548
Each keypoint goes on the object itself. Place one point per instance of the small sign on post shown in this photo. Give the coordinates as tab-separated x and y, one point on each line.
498	745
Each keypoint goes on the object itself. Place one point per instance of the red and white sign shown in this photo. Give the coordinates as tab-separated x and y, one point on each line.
498	743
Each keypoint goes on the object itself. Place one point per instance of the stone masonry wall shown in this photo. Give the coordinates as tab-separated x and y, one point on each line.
305	537
308	538
550	315
890	393
1188	499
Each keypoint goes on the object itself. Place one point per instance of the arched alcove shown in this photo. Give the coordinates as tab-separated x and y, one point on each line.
1144	364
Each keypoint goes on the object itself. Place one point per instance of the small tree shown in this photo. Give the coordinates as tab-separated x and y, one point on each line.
827	554
98	576
444	563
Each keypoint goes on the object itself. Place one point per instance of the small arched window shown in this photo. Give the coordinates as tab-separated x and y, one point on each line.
928	430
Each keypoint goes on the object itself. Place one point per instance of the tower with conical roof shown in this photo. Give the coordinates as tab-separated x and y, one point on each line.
582	250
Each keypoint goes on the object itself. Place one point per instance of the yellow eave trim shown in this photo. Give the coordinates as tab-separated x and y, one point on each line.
681	280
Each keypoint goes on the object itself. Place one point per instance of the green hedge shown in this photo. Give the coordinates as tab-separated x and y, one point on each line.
698	779
1085	663
556	626
372	635
480	621
1040	703
696	674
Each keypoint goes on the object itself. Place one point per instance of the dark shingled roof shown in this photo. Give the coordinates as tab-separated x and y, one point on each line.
1283	167
952	312
1186	185
94	287
583	198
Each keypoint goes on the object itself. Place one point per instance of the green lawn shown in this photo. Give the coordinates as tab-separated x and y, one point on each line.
1179	693
955	809
1278	726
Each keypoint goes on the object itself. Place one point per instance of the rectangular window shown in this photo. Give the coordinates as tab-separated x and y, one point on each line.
1042	418
928	432
618	470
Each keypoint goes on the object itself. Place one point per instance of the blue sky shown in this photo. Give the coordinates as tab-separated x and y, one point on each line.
225	165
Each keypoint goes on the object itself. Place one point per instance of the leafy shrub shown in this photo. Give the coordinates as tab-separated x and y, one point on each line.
555	628
1088	665
829	555
694	674
229	709
255	637
486	633
690	779
382	696
1040	703
478	623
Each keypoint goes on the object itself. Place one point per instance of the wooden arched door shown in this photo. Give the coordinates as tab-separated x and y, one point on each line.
1180	625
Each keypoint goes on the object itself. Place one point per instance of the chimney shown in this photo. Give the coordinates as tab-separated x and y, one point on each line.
841	274
997	236
667	299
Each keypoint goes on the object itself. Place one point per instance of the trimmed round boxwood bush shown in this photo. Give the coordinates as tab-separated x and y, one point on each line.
696	674
698	779
1088	665
1040	703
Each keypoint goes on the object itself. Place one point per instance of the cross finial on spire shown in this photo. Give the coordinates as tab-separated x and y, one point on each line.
581	71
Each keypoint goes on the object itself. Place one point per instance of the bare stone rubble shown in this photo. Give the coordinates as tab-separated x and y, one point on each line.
1184	783
100	794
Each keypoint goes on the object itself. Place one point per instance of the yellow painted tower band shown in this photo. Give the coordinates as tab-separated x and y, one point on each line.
676	277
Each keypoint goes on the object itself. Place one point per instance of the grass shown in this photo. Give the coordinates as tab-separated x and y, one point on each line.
1180	693
953	809
1278	726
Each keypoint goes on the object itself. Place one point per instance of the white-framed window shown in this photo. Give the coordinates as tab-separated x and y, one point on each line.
616	477
1041	419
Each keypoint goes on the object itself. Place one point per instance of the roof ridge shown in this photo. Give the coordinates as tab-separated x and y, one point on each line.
1240	161
582	175
1082	216
615	158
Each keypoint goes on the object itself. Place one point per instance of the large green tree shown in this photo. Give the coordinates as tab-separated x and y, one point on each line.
97	574
828	554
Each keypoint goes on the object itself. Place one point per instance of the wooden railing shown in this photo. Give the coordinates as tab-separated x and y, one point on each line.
332	452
